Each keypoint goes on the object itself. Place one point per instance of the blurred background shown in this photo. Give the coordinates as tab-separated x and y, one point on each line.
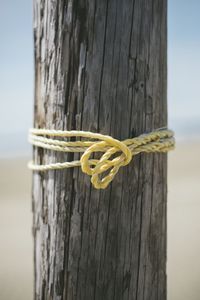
16	94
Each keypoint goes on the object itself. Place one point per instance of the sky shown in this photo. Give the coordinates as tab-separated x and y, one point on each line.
184	66
16	71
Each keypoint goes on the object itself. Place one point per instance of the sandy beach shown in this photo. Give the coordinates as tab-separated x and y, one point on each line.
16	263
184	223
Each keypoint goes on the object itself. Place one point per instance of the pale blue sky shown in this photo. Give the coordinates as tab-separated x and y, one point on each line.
16	65
16	69
184	66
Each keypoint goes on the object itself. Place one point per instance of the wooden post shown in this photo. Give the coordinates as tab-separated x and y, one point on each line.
100	66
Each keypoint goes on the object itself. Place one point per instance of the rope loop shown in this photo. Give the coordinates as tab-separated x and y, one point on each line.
115	153
105	163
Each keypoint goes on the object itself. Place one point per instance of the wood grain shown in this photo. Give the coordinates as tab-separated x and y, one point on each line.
100	65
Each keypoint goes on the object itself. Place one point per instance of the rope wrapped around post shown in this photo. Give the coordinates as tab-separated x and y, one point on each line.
115	153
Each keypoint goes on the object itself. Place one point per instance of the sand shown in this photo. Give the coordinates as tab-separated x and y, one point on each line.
184	223
16	267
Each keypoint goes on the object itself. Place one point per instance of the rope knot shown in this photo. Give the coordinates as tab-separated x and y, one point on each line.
115	153
106	162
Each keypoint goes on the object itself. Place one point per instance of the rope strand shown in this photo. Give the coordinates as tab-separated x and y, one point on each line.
160	140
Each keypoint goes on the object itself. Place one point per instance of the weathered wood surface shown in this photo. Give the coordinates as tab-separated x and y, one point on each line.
101	66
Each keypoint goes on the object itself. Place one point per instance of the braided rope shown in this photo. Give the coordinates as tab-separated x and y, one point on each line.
160	140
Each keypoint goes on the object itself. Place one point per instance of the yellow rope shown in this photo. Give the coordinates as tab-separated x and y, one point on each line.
115	153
